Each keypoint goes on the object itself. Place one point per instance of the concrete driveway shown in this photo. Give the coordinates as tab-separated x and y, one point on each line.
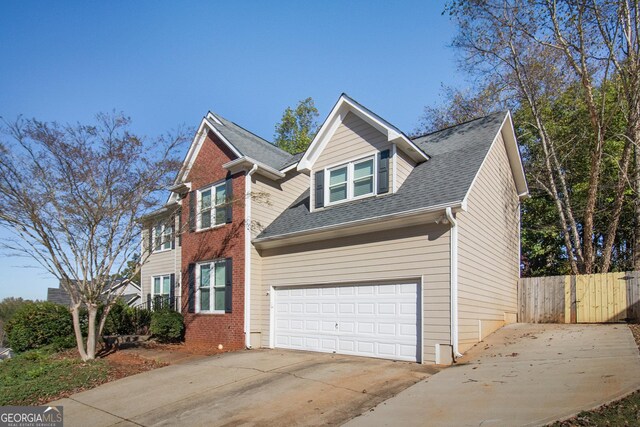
257	387
522	375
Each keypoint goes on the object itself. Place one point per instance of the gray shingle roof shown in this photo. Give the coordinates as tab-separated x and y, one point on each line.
456	155
252	145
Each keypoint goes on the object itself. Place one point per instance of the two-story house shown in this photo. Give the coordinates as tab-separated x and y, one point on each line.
370	243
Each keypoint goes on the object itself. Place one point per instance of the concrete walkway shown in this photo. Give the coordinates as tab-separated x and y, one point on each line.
522	375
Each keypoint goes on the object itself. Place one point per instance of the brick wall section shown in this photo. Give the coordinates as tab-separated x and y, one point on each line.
226	241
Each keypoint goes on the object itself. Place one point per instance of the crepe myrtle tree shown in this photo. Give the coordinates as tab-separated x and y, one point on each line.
70	198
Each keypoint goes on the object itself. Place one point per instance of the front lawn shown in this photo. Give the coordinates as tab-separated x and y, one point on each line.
39	376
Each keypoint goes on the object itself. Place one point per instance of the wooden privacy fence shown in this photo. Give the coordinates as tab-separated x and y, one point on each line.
589	298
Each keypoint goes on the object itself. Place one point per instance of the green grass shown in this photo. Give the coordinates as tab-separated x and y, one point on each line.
624	412
38	376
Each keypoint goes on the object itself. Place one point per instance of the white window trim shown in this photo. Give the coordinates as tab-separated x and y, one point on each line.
212	299
199	192
161	277
154	238
350	172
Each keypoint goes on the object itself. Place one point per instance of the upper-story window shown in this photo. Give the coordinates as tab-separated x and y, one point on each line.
212	209
162	237
352	180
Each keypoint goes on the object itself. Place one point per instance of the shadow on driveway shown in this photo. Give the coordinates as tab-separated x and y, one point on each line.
256	387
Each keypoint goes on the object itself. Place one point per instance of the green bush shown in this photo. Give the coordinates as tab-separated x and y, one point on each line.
39	324
141	318
120	320
167	325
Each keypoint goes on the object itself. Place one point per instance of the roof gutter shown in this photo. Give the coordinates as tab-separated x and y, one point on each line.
453	261
248	162
366	221
247	256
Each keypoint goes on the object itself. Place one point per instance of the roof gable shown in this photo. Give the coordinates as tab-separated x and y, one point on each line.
457	154
243	144
344	106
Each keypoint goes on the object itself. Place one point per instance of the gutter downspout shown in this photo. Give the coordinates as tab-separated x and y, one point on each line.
247	256
454	282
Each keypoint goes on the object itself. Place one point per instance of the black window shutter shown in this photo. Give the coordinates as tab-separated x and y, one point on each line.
228	286
383	172
172	292
173	232
149	302
192	210
151	248
229	197
319	189
179	230
191	303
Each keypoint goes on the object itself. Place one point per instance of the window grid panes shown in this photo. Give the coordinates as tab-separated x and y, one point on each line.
162	285
162	235
353	180
363	178
338	184
212	206
212	283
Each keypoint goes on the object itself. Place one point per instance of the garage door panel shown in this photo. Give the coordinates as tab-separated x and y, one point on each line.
368	320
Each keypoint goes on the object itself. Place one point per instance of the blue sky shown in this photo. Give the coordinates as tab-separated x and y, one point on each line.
166	64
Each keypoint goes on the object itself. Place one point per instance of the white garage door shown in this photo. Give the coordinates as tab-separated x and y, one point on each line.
365	320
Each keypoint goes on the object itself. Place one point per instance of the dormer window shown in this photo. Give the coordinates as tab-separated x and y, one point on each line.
350	181
357	179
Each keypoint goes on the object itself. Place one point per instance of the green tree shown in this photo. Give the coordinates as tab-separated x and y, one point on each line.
8	307
297	128
71	198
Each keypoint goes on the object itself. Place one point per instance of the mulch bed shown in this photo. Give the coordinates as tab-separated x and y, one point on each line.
191	348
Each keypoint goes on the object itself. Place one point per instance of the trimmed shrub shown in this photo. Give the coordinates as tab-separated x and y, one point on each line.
141	319
167	325
39	324
120	320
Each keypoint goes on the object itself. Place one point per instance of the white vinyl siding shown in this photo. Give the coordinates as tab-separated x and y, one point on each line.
420	251
488	250
404	166
269	199
159	264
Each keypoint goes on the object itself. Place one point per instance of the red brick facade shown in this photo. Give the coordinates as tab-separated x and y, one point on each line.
226	241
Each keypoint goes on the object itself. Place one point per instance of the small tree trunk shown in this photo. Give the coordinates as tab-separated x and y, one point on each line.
616	210
636	229
75	314
91	335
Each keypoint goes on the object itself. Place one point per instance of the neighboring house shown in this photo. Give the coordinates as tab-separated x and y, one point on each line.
370	243
130	295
